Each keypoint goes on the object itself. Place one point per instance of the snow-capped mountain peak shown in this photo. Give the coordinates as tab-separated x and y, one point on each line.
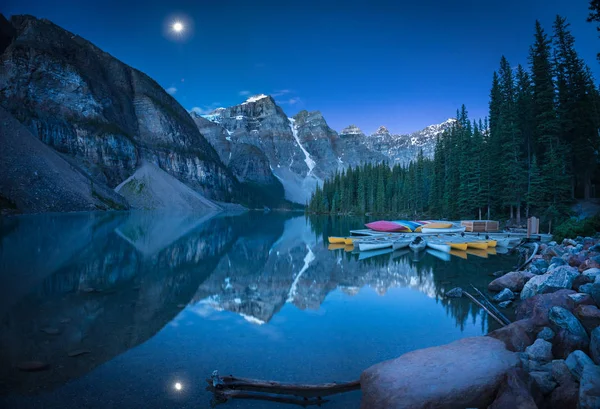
351	130
255	98
381	131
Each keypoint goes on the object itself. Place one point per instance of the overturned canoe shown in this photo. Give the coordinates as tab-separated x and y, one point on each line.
438	245
336	240
455	229
388	227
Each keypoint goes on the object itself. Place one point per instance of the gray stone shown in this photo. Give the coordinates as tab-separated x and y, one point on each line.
561	372
457	376
586	288
504	295
514	393
569	242
576	361
455	293
552	243
579	298
513	281
589	316
563	318
504	304
589	387
592	272
546	334
556	279
544	381
556	262
596	248
595	345
540	350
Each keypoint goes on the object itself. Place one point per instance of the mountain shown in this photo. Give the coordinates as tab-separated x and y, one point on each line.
301	151
103	116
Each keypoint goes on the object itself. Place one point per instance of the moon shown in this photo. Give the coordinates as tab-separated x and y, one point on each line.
178	26
178	386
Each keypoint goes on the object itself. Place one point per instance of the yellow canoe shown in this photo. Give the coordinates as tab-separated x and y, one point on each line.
457	245
337	240
491	250
480	245
491	243
458	253
348	241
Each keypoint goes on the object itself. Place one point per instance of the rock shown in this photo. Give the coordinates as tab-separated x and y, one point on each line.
576	361
556	262
540	350
32	366
586	288
504	295
537	307
570	334
588	264
540	264
582	299
504	304
78	352
581	280
589	316
514	393
592	272
544	381
51	331
595	248
514	281
460	377
595	346
589	387
516	336
563	318
565	343
546	334
555	279
455	293
534	270
565	396
575	260
561	372
569	242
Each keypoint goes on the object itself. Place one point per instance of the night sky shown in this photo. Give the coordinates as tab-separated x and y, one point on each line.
401	64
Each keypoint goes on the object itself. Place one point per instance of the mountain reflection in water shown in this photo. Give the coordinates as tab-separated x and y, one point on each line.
99	284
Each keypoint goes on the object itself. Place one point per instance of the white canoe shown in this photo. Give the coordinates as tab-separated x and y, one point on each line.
457	229
438	245
418	246
401	243
368	245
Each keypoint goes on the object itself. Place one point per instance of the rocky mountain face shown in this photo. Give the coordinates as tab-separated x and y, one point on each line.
102	114
301	151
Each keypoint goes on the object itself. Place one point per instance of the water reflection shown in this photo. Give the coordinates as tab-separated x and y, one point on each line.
81	289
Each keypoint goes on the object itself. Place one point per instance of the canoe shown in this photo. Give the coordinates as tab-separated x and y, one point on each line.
438	225
385	226
368	254
455	229
348	241
503	243
368	245
401	243
457	245
418	245
477	244
458	253
491	243
438	245
478	252
439	254
337	240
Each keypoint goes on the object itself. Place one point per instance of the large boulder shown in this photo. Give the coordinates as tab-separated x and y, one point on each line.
592	273
514	281
570	334
589	387
540	350
537	307
516	336
465	373
555	279
576	361
514	393
589	316
595	346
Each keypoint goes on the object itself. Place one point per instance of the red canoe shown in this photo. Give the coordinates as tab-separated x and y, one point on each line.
387	227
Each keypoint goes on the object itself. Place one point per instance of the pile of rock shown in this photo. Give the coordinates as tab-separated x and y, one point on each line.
557	333
548	358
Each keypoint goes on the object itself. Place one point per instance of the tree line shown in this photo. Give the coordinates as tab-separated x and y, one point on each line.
535	153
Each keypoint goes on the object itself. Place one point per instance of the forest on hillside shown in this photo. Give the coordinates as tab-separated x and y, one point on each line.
534	155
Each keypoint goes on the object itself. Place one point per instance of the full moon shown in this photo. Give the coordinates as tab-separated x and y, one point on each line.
178	27
178	386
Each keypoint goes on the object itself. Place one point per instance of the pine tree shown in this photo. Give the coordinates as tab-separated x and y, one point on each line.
594	15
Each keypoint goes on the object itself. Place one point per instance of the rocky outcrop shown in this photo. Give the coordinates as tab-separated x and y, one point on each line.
105	115
555	279
35	178
461	378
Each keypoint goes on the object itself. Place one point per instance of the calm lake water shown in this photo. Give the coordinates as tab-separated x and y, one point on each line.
162	299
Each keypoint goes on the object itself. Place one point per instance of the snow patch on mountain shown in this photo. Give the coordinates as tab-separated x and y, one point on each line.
310	256
254	98
309	161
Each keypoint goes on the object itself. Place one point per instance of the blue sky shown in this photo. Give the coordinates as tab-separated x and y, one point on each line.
401	64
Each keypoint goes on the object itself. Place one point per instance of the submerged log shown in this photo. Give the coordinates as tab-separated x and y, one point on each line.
492	306
484	308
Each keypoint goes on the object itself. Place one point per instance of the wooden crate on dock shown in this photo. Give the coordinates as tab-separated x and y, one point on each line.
480	226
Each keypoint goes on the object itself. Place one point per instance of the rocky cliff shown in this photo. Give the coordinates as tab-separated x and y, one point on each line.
105	115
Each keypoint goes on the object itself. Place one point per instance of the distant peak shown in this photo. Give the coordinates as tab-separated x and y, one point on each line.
255	98
382	130
351	130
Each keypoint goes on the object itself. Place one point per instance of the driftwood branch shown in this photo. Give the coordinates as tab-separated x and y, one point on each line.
492	306
231	387
484	308
535	250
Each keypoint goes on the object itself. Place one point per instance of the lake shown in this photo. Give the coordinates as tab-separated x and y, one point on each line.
152	303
